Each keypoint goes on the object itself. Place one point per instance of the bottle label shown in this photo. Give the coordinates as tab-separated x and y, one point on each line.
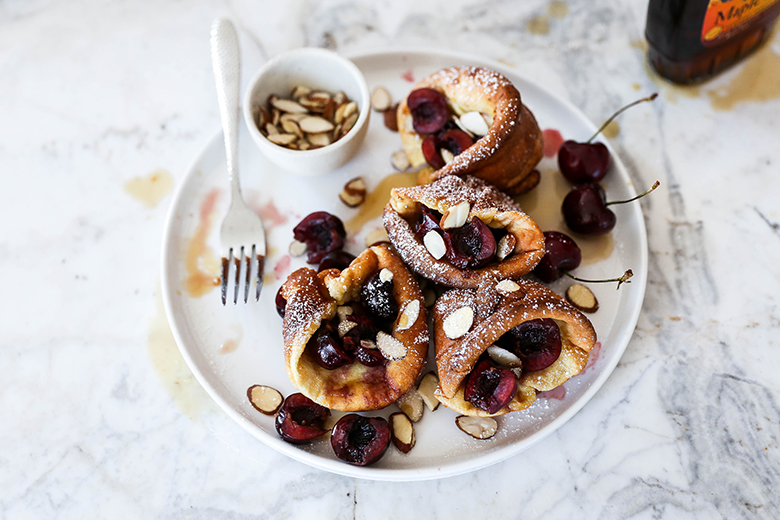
725	17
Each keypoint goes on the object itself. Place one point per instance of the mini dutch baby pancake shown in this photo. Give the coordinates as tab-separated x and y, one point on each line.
497	346
459	231
355	339
471	120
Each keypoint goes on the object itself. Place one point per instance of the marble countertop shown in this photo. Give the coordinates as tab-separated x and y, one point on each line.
100	416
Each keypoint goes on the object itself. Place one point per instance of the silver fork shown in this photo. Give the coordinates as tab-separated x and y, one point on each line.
242	234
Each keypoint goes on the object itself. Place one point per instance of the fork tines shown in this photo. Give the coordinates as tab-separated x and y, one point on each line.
253	263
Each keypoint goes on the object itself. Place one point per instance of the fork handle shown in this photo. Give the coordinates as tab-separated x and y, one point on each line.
226	61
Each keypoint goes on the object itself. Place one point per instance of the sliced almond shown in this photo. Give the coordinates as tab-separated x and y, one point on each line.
380	99
296	248
270	129
507	286
411	403
447	155
474	123
343	311
287	105
329	110
427	388
282	139
303	144
459	322
262	116
315	125
456	215
385	275
376	236
299	91
340	98
409	315
265	399
367	343
322	139
400	161
292	117
390	347
582	297
276	116
350	109
391	118
345	326
347	125
402	431
291	127
478	427
354	192
503	357
505	246
434	243
338	115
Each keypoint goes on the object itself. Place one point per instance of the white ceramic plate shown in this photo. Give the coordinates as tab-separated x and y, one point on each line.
231	348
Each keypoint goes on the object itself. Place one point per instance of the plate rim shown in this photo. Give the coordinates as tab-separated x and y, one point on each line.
447	469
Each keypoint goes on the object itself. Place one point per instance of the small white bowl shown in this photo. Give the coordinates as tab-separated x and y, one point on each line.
318	69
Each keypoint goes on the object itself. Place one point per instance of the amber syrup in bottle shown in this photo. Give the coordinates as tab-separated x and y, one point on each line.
692	40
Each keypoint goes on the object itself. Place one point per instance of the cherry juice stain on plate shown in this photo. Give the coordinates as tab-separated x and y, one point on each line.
175	376
231	344
200	262
543	204
593	356
268	212
558	393
552	140
408	76
151	189
377	199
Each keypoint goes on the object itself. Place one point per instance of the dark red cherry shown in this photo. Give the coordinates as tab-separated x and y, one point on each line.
585	210
360	440
470	246
430	150
300	419
429	219
280	302
589	161
561	253
322	233
327	351
429	110
536	342
489	387
377	298
583	162
364	330
336	260
454	140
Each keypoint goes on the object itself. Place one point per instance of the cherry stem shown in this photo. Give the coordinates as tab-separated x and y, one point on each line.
652	188
608	121
621	280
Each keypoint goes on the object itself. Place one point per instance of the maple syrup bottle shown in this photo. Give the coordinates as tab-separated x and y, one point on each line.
692	40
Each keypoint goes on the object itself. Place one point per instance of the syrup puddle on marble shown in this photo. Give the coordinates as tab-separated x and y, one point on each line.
172	371
151	189
754	80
